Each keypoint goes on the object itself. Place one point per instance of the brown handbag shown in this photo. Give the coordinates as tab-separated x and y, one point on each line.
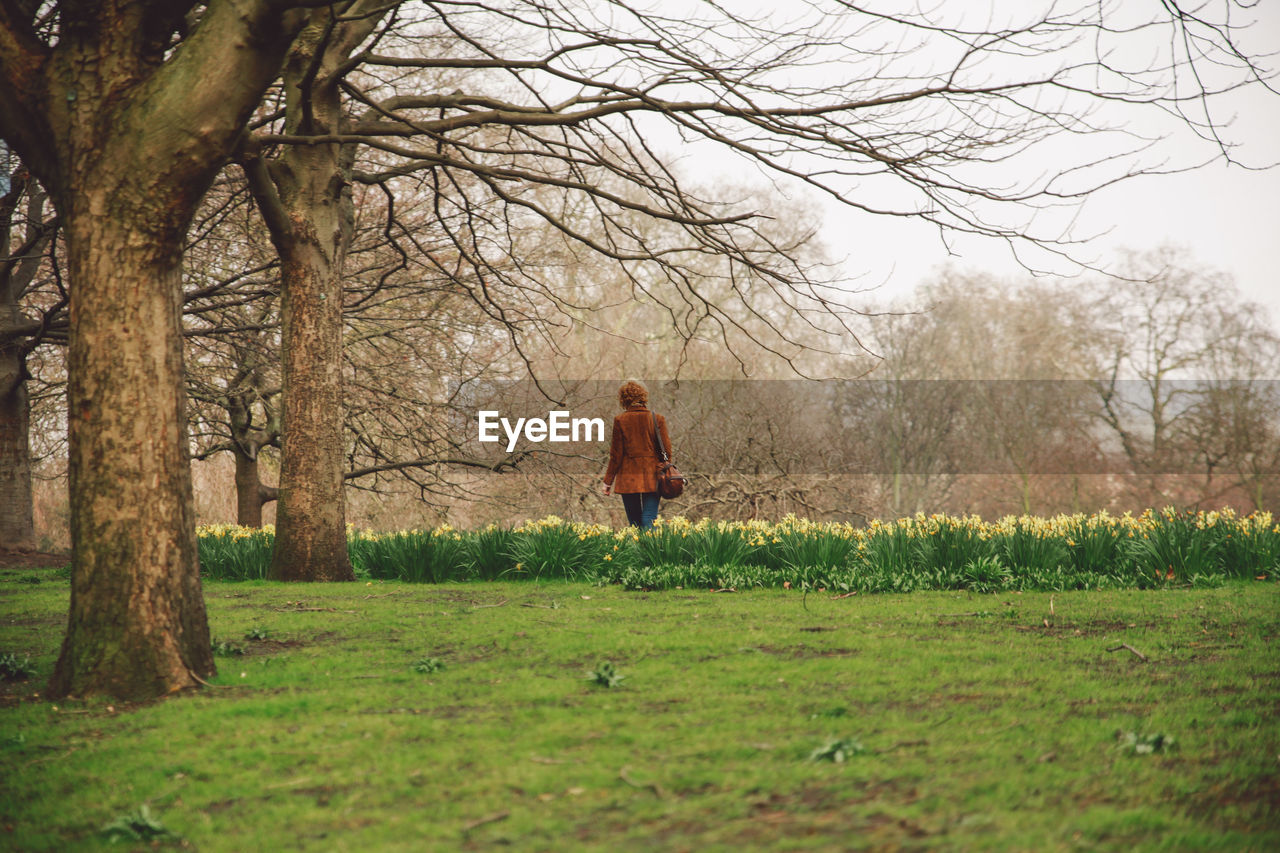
670	481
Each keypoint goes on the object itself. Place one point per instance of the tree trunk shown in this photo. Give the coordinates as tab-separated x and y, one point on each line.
311	529
307	205
137	625
246	444
305	199
17	523
251	494
21	264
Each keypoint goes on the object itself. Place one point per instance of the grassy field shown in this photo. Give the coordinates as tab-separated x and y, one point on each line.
392	716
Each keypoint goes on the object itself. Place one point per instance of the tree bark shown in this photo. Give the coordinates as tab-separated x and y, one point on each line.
137	625
247	442
18	268
17	521
311	529
251	494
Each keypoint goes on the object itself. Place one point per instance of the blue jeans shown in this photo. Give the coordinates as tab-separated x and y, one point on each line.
642	509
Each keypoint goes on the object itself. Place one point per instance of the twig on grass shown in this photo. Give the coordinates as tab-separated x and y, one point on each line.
1140	655
49	758
207	684
483	606
562	626
310	610
902	744
481	821
652	786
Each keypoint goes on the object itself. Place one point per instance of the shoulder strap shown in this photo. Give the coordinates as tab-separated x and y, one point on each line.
657	437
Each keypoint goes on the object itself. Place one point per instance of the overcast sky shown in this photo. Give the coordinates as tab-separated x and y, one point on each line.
1227	216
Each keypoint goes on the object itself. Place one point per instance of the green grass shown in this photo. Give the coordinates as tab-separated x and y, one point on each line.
964	722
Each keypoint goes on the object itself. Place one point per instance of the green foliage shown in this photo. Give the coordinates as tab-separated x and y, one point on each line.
1032	550
1180	549
604	675
1136	744
226	648
662	544
558	551
139	825
235	553
257	633
489	552
918	553
426	666
13	668
985	574
838	750
416	556
720	545
803	551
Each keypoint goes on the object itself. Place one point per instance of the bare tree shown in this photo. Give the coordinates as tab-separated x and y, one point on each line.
1186	385
27	236
232	329
126	129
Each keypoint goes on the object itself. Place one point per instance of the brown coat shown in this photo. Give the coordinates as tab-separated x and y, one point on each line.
633	457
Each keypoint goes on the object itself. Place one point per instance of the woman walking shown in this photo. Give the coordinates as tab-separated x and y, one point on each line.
633	456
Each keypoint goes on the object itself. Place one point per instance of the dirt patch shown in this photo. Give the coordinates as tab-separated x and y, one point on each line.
259	648
33	559
322	793
820	811
806	652
1237	804
982	700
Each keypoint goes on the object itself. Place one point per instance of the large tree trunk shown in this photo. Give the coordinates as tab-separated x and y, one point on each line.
305	199
137	625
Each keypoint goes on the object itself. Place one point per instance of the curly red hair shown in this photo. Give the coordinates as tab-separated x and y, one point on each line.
632	394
